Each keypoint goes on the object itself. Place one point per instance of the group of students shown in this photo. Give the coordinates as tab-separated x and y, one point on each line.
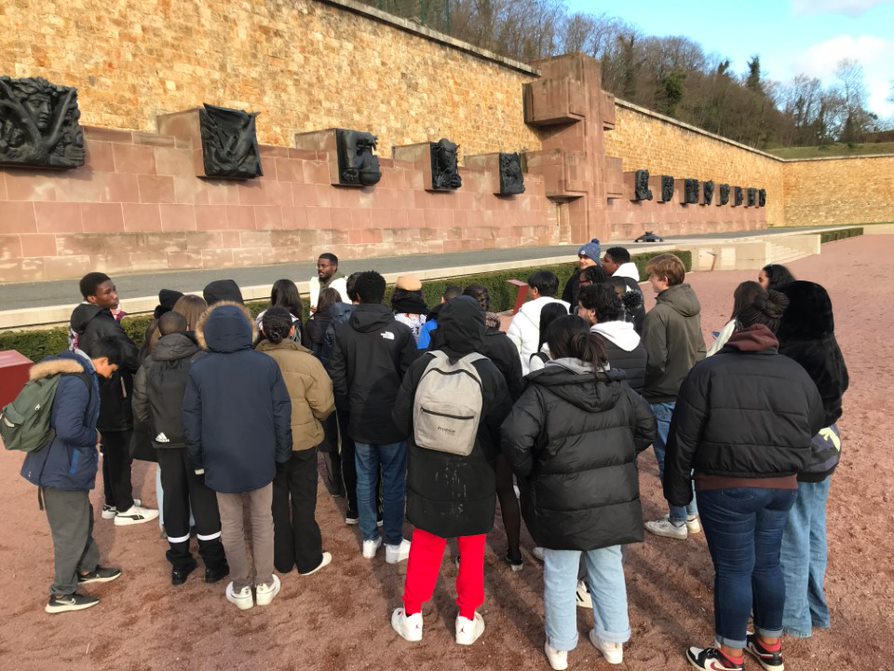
561	406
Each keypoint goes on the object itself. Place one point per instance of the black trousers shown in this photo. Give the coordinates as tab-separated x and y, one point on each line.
332	459
296	535
116	463
184	490
348	467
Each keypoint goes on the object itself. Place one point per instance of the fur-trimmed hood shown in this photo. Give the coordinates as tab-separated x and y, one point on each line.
64	365
226	327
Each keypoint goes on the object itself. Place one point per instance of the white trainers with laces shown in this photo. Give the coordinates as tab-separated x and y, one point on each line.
136	514
664	527
468	631
693	525
241	599
371	547
558	659
265	593
397	553
408	626
613	652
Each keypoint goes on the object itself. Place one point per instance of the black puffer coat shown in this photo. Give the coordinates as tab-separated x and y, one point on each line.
746	412
449	495
572	441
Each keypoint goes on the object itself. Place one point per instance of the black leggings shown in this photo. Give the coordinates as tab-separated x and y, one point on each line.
509	507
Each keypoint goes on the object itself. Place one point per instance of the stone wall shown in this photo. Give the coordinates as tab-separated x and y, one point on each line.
303	64
834	191
646	140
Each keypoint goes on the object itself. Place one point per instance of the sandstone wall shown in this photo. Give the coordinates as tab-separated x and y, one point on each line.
649	141
823	192
303	64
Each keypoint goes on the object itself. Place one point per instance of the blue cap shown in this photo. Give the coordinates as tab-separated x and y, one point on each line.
592	250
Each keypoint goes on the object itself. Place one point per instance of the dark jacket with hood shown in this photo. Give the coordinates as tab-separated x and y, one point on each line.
450	495
746	412
338	315
672	336
807	335
236	409
92	323
372	353
70	461
572	441
159	388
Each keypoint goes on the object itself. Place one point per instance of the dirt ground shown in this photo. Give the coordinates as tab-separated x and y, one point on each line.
339	618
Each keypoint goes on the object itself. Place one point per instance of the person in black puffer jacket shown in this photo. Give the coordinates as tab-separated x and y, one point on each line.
572	439
448	495
158	392
743	423
601	307
807	335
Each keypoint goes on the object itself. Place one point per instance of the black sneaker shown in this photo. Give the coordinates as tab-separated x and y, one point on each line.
515	563
67	602
771	661
213	575
179	575
99	574
711	659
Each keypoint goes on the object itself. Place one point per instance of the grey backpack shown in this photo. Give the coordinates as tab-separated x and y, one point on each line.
448	403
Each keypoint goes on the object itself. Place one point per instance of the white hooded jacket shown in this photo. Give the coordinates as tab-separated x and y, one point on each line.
628	269
524	331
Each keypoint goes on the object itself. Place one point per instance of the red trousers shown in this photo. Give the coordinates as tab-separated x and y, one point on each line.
424	564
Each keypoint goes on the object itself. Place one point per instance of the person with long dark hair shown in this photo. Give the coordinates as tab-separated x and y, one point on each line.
572	439
284	294
774	276
744	295
549	313
743	424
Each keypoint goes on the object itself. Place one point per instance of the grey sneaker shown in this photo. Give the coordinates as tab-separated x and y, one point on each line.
69	602
99	574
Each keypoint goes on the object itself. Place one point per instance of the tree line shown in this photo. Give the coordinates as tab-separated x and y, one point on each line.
670	75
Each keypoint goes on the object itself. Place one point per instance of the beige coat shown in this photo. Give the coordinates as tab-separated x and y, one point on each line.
309	388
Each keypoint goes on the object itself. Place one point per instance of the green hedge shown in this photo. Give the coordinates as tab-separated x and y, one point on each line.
832	236
39	344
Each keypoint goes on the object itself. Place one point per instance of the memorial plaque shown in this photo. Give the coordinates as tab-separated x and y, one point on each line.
39	124
751	200
708	192
641	185
762	198
444	166
357	164
667	188
738	196
724	194
690	192
229	143
512	179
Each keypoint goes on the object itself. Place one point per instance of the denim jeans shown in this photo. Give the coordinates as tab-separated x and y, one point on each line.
804	561
743	528
392	458
663	413
605	578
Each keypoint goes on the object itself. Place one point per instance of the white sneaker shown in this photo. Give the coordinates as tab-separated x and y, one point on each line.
558	659
664	527
264	593
538	553
693	525
584	600
613	652
135	515
242	599
397	553
109	512
371	547
327	559
468	631
408	626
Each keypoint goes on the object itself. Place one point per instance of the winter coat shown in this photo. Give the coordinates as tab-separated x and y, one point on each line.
572	288
630	274
672	336
450	495
70	461
497	347
747	412
572	441
372	353
159	387
92	323
315	331
524	330
338	315
624	350
310	390
338	282
236	410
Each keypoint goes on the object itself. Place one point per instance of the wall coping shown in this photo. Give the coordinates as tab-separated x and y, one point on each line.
836	158
370	12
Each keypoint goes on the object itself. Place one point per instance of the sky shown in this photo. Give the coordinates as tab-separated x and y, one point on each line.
790	36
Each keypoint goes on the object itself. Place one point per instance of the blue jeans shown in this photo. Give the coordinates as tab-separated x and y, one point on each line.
663	413
392	458
605	578
743	528
804	561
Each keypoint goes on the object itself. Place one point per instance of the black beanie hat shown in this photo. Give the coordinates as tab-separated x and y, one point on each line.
166	300
222	290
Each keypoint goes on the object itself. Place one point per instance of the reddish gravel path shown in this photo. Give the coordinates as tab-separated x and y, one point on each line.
338	619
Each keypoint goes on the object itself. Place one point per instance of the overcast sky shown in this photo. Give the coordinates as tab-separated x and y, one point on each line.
790	36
